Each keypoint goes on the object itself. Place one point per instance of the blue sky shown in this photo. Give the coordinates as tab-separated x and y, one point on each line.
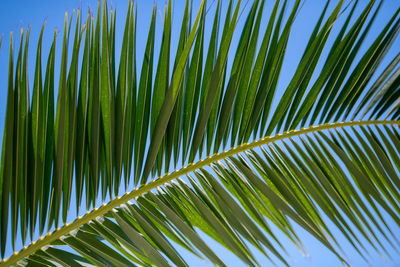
24	13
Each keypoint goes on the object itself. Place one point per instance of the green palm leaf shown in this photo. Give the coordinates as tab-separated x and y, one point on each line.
327	158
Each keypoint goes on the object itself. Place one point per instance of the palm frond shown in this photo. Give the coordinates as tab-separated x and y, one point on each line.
204	147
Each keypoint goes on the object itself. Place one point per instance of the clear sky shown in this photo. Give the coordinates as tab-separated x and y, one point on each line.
24	13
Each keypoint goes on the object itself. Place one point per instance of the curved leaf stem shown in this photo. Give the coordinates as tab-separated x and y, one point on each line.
67	228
